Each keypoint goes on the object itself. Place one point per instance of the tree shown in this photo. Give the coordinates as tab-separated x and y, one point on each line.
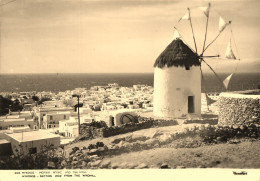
5	104
44	99
35	98
16	106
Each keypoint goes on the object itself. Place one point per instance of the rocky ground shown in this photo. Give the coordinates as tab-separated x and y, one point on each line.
162	148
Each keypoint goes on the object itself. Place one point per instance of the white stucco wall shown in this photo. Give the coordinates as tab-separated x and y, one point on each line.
172	86
32	139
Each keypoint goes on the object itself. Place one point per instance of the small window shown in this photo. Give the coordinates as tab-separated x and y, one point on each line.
51	117
64	116
32	150
187	68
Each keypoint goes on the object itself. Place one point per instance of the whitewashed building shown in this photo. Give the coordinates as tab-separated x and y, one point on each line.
69	128
32	142
123	116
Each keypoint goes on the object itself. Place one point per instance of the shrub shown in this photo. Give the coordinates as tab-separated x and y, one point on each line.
212	134
33	161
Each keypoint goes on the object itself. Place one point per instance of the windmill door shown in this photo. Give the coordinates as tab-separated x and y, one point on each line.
190	104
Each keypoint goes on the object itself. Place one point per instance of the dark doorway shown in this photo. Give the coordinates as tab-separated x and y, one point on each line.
112	121
190	104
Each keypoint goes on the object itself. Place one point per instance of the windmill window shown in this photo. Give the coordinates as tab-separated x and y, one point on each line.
187	68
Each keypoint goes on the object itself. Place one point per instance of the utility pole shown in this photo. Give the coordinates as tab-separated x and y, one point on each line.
74	95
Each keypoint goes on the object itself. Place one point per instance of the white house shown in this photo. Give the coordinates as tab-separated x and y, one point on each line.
119	117
177	82
16	122
40	112
51	120
69	128
32	142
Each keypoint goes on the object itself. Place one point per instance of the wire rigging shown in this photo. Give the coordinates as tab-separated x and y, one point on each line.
7	3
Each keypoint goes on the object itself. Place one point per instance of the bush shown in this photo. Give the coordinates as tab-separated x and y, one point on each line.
211	134
202	121
96	124
33	161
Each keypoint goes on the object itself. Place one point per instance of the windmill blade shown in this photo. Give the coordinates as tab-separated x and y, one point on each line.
214	72
206	32
210	43
219	33
194	40
201	73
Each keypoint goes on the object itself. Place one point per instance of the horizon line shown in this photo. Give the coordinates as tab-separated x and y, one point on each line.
207	72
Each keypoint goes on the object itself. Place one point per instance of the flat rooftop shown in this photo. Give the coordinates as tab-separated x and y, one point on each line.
13	120
3	141
32	136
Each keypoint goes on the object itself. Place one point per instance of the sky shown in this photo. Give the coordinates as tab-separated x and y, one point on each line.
91	36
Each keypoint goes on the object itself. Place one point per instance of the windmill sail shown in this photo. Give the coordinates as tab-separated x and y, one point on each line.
205	10
222	24
209	100
176	35
186	16
229	53
227	80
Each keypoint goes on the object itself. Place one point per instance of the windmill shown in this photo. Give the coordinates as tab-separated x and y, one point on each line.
182	59
223	25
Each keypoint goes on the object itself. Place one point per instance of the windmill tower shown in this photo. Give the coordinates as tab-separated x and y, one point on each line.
177	82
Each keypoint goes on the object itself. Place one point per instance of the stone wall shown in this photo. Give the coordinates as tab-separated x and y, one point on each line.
96	131
238	108
91	132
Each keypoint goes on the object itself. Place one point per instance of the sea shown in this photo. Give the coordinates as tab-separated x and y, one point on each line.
62	82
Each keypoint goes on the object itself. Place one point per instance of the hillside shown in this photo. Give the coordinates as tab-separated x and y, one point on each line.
172	146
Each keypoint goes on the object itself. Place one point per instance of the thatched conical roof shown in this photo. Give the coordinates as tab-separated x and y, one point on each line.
177	54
